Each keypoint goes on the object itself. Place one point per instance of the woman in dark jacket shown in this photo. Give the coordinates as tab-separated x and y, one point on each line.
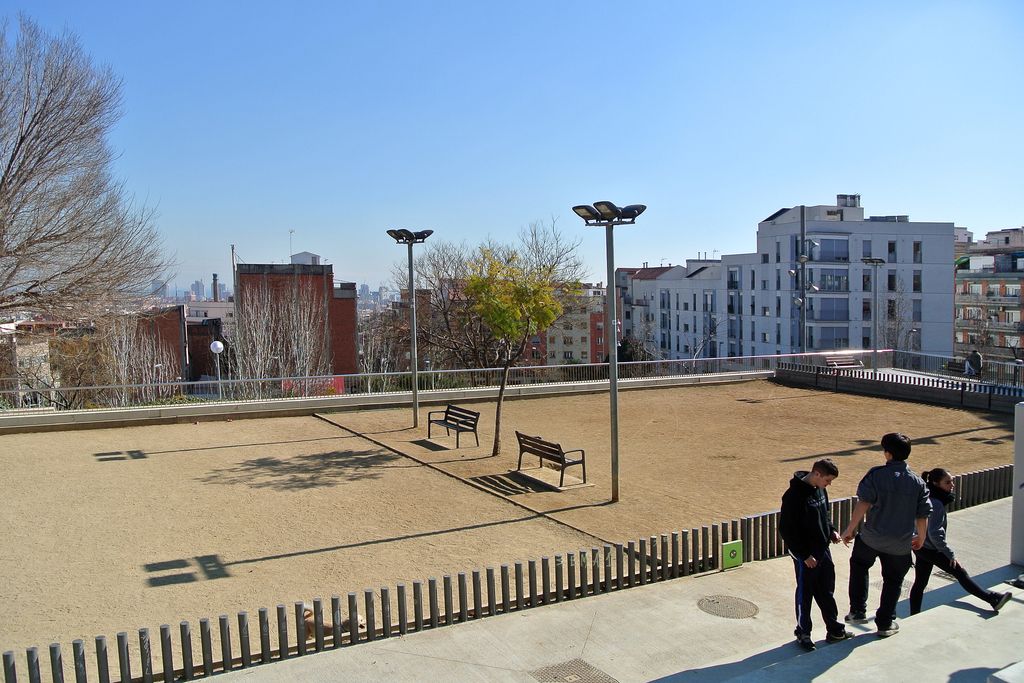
936	552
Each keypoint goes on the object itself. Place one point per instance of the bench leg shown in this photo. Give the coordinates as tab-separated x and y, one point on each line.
584	464
475	436
520	465
458	433
561	481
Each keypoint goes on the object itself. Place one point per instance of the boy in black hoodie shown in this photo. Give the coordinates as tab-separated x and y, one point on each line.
805	527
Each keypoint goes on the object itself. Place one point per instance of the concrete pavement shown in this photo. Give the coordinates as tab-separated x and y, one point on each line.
658	632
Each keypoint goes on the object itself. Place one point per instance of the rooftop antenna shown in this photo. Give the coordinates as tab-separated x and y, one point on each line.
290	233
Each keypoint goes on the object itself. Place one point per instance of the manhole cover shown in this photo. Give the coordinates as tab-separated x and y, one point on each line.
573	671
727	606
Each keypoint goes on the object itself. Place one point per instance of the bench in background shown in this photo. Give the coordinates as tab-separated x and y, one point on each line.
454	418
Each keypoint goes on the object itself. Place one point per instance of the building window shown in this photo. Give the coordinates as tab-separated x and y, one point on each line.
865	310
686	327
567	355
834	338
917	310
917	252
891	284
865	249
584	354
778	251
599	341
834	250
865	283
778	306
766	311
892	251
764	258
891	312
834	280
833	309
778	279
764	284
917	280
865	340
583	340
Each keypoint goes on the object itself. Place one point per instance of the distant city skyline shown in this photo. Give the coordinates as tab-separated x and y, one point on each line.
286	129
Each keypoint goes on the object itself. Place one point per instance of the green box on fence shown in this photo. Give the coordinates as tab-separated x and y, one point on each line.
732	554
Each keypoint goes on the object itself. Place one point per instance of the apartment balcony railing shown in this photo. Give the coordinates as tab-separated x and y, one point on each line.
1015	300
982	323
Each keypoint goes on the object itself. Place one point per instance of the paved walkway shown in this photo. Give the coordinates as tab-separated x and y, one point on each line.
657	632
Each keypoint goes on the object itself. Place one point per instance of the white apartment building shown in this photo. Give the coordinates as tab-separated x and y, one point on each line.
807	287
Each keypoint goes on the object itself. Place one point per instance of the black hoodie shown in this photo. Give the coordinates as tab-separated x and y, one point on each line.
804	522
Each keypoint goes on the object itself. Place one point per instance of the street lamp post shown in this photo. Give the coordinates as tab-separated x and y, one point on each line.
218	348
410	238
607	215
874	263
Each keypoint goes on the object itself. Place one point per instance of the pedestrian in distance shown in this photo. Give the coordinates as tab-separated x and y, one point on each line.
896	503
973	364
807	529
936	551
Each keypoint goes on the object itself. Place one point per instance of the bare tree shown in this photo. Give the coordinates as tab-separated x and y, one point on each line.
70	238
379	338
279	332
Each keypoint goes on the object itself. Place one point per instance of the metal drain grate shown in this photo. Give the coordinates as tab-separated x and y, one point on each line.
573	671
727	606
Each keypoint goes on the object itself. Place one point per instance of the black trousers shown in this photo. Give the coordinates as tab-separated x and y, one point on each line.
817	585
894	569
926	559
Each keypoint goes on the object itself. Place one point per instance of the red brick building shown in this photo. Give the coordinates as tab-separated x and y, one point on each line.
337	298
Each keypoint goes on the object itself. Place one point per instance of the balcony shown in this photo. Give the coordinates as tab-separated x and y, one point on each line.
1015	300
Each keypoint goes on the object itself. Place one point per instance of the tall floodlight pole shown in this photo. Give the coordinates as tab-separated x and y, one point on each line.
218	348
410	238
607	215
874	263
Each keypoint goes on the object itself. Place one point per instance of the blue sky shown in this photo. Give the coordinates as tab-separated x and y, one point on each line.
243	121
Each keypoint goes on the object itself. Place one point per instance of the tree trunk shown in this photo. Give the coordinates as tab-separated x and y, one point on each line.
497	410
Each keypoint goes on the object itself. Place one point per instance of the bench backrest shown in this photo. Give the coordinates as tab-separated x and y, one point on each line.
461	416
842	361
541	448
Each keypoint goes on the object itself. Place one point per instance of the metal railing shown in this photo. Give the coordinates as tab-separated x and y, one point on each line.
15	397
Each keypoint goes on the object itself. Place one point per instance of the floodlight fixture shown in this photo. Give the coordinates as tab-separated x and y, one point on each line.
792	272
803	258
813	287
797	301
587	213
632	211
608	210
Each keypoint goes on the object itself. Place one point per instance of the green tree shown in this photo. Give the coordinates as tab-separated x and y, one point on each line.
517	292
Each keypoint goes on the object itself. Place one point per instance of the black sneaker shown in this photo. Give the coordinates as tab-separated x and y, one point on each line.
891	630
856	618
804	641
838	636
1001	600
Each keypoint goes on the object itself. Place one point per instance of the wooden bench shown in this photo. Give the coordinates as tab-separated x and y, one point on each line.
454	418
552	452
843	361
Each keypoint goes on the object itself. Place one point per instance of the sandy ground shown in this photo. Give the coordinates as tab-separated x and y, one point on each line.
112	530
697	455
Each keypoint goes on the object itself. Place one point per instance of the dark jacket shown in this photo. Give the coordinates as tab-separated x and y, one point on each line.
936	539
898	498
804	521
